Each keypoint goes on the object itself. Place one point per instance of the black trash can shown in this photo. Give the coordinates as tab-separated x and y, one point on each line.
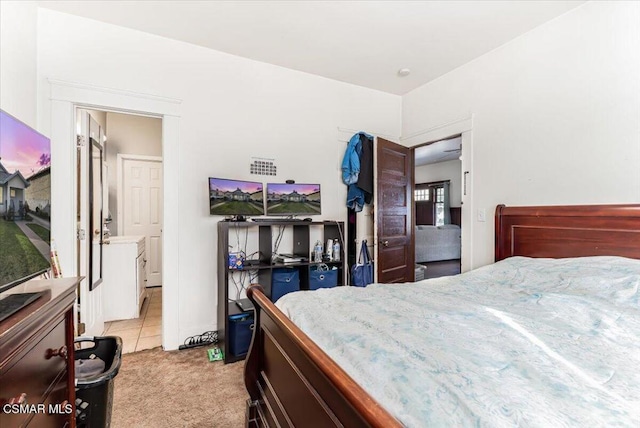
94	394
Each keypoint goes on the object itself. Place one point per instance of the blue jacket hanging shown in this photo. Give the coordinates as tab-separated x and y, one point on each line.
355	197
351	160
351	171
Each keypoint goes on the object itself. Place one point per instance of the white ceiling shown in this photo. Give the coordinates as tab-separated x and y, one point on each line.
440	151
359	42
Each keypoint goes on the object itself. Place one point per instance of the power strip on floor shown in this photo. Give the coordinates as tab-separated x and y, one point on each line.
206	338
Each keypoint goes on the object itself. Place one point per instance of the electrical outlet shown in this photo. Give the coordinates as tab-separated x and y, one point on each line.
482	215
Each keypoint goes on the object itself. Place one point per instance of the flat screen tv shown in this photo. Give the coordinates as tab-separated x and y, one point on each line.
25	202
235	197
293	199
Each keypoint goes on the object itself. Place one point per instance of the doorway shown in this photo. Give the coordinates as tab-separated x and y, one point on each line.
462	127
65	98
438	208
130	296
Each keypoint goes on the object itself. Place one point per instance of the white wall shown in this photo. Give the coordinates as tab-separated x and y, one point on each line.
132	134
441	171
232	108
18	56
556	114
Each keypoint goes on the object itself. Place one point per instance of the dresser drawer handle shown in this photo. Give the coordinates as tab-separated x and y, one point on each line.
21	399
62	353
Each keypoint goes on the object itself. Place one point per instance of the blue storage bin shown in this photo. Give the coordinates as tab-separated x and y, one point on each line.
322	278
240	332
283	281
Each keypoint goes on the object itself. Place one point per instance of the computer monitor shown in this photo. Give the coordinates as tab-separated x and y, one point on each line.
235	197
293	199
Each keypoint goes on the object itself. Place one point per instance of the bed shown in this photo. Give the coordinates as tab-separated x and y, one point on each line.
293	382
436	243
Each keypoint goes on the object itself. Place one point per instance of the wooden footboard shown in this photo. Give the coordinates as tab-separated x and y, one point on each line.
292	382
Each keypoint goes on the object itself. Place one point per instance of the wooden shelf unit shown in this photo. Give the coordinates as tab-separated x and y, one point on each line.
301	246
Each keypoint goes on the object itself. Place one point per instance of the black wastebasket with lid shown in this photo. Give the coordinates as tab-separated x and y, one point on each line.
94	380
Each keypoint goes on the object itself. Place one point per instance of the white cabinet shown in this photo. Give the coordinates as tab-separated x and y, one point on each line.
125	278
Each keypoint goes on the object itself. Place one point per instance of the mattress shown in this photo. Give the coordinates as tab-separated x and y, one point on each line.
523	342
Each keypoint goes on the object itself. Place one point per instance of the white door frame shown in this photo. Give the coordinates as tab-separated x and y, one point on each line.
65	97
464	127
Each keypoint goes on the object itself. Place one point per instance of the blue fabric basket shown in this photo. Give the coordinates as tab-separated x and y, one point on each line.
240	332
322	278
283	281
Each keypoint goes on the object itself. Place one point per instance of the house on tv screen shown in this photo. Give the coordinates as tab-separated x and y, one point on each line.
236	195
12	193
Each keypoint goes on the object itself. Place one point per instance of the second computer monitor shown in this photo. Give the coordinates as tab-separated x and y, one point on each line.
293	199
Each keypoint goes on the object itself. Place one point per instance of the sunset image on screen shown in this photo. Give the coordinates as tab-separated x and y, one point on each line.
22	149
25	201
293	199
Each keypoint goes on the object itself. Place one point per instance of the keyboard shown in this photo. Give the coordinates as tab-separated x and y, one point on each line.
14	302
277	220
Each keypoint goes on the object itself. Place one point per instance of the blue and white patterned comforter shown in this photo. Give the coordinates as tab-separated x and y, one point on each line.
523	342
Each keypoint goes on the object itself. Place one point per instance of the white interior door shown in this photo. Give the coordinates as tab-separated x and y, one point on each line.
140	207
90	220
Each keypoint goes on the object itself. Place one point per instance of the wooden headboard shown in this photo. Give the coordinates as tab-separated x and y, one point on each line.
568	231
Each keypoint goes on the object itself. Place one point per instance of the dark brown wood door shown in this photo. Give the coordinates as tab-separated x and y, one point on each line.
394	213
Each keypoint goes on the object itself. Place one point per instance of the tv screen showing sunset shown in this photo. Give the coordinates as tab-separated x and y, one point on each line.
293	199
235	197
25	201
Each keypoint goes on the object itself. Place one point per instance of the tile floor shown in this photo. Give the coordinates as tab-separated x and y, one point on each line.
144	332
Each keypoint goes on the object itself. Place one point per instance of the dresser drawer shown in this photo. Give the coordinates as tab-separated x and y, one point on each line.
58	411
36	371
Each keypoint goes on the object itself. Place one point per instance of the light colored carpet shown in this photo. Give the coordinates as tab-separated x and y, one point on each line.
178	389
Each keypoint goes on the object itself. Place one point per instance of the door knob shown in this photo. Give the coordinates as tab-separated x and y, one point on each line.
62	353
385	243
20	399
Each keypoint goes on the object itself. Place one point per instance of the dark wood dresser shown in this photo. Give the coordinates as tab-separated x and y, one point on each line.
36	358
